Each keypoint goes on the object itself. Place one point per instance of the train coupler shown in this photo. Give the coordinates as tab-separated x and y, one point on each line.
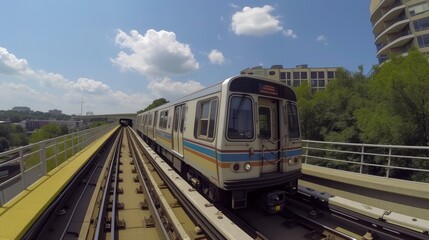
273	201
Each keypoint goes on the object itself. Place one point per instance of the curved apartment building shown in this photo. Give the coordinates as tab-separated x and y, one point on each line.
398	25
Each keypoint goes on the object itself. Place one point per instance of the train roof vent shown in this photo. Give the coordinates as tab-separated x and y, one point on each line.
279	66
257	67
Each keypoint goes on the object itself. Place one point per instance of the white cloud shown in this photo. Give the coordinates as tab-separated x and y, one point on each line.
257	21
9	88
91	86
233	5
322	39
11	65
154	54
43	91
216	57
50	79
289	33
19	94
172	89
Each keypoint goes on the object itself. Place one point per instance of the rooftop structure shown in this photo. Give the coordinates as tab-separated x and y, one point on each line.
21	109
399	25
317	78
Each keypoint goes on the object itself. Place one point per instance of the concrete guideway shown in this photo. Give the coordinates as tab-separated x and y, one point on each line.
17	215
226	227
404	197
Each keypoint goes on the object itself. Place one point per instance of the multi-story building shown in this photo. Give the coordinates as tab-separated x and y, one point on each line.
55	112
317	78
398	25
21	109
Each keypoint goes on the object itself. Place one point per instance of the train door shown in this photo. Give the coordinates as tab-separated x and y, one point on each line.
268	127
154	125
178	122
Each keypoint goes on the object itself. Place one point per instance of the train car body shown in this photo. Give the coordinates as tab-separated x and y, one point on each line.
231	138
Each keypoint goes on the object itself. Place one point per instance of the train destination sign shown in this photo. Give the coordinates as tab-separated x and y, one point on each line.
259	86
268	89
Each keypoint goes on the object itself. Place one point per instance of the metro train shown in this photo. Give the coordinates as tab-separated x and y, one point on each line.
237	136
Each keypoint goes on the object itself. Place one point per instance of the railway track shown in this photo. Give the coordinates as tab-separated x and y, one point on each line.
123	195
131	191
309	217
119	198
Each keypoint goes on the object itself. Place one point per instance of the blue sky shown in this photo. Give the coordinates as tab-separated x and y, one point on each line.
121	55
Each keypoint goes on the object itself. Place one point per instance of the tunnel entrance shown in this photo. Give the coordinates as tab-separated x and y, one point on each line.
126	122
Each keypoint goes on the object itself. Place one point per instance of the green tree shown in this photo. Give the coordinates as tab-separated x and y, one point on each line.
46	132
4	144
15	118
156	103
397	111
5	130
328	114
18	136
64	129
96	123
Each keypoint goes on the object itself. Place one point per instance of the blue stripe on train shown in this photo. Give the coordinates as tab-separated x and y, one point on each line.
199	148
164	135
236	157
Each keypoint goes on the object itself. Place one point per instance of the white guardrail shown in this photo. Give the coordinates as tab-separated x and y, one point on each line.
390	161
21	167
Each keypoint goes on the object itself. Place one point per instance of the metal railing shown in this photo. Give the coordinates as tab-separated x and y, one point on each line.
23	166
390	161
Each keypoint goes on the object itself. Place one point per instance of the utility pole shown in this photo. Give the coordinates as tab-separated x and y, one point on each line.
81	105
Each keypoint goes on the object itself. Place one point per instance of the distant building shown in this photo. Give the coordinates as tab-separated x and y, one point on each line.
398	25
55	112
317	78
21	109
89	113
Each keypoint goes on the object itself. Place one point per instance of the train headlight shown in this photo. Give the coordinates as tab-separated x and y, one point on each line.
295	159
290	162
236	167
247	167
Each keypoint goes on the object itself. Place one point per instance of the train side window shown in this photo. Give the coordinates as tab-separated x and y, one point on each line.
293	123
163	120
176	119
205	122
240	118
212	119
183	117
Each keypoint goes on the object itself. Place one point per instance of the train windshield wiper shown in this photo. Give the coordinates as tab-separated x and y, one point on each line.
240	106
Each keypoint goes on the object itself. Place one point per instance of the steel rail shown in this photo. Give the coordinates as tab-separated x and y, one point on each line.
78	202
43	221
376	225
113	232
211	231
146	189
106	191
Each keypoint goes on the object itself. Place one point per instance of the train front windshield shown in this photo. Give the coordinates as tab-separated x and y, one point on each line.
240	114
240	124
292	117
